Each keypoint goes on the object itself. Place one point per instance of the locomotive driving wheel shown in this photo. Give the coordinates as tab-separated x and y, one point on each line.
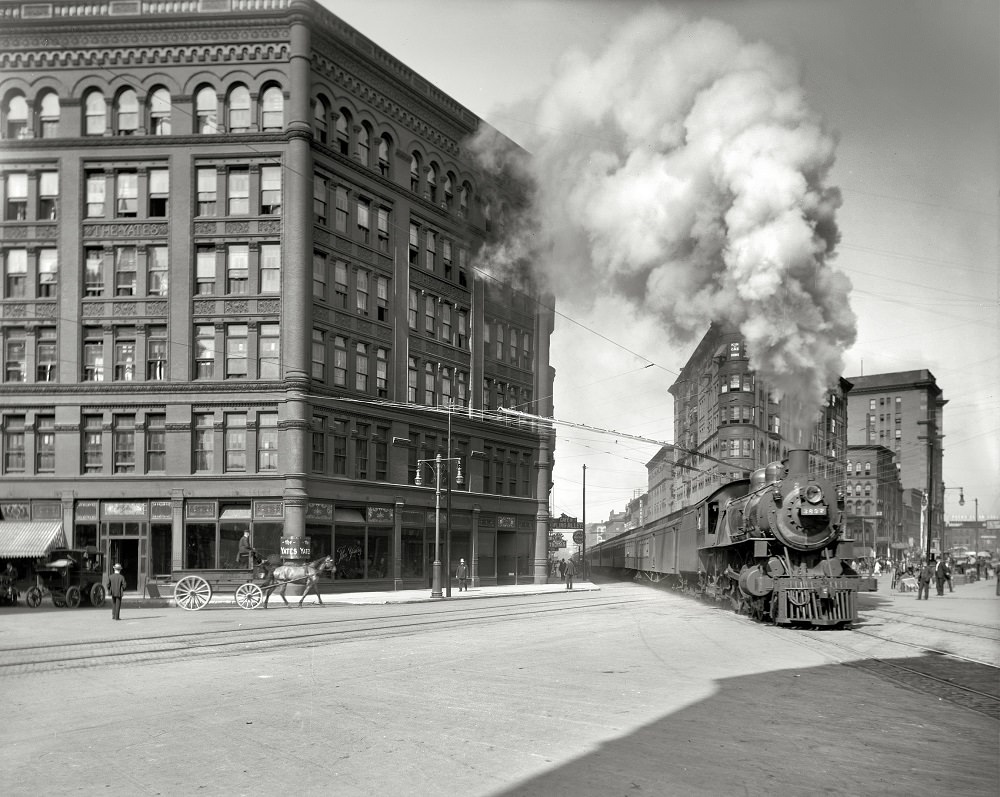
249	596
73	597
192	593
33	597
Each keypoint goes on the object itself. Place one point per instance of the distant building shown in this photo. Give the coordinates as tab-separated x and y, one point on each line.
873	501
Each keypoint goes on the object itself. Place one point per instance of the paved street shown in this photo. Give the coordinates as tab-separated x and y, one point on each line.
619	690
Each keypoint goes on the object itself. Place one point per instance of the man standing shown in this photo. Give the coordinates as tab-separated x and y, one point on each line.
243	554
940	575
116	588
462	574
570	572
924	581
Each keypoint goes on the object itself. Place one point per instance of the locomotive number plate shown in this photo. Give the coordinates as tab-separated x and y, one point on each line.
813	510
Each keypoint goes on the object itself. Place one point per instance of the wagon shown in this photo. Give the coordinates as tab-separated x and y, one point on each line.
70	576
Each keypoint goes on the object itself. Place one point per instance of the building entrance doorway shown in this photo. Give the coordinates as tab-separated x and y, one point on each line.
130	554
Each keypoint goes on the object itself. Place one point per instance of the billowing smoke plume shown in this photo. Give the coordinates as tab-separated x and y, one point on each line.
681	168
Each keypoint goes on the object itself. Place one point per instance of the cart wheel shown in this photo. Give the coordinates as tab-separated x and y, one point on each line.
96	595
249	595
33	597
73	597
192	593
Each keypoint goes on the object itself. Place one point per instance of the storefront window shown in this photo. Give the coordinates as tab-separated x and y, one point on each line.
267	539
412	565
320	540
199	545
379	553
160	534
86	534
488	554
229	542
350	553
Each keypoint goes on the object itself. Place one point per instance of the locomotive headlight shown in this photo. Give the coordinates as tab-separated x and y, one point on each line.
814	494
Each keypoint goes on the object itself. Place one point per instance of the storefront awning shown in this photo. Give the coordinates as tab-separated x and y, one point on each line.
30	538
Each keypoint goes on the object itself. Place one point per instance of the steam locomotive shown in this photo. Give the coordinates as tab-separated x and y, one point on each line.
772	546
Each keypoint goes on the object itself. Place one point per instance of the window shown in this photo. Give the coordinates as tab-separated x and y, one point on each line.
364	221
205	270
48	196
514	350
361	291
319	275
463	388
16	117
383	229
342	210
95	114
463	329
270	190
340	361
364	144
340	284
93	354
15	272
93	443
449	189
207	188
526	347
414	247
432	186
415	172
411	380
446	321
15	358
239	192
125	271
93	272
319	201
45	443
45	355
430	326
382	298
159	192
430	391
411	312
156	353
340	447
95	195
17	196
270	268
239	110
341	132
463	267
126	194
499	349
206	111
204	351
361	433
361	367
430	240
123	444
318	434
235	441
126	113
321	112
272	109
384	148
204	441
159	112
269	351
267	442
236	351
156	443
13	444
446	258
381	373
124	365
446	386
156	270
463	199
319	355
237	269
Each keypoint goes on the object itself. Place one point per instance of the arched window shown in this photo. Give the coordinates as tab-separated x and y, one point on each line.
16	117
415	172
206	111
432	182
238	109
48	115
449	189
321	112
95	114
159	112
384	148
126	113
272	114
342	131
364	148
463	199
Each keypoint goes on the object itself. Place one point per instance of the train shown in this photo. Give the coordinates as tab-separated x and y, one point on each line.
773	546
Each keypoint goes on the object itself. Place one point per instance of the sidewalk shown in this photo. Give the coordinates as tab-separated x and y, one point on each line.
969	603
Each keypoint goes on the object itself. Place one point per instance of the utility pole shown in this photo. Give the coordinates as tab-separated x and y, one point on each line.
583	556
931	437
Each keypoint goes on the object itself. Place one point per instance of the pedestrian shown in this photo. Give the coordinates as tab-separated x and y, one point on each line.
243	555
924	581
116	588
562	569
570	572
462	574
947	573
939	576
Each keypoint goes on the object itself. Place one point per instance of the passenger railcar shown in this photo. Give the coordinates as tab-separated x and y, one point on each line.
772	546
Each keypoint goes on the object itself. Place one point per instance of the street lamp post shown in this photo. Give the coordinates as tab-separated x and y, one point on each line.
437	464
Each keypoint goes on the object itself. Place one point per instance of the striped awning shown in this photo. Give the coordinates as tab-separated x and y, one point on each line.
30	538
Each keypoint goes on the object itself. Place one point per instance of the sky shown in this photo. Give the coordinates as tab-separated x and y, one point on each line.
907	92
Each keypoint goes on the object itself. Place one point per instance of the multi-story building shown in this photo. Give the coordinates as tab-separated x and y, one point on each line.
240	291
727	422
904	412
873	501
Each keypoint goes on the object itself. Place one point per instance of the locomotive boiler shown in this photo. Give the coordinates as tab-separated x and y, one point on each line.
772	546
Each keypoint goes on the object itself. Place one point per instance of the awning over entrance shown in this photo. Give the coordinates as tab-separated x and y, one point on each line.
30	538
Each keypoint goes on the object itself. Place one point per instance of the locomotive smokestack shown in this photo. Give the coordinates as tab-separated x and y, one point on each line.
798	461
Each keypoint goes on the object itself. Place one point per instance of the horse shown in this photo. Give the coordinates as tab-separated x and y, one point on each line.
296	574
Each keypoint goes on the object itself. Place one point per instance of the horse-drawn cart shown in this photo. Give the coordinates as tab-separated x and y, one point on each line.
70	576
194	591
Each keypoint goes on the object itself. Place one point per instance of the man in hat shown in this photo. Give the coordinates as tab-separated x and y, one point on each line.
462	574
116	588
